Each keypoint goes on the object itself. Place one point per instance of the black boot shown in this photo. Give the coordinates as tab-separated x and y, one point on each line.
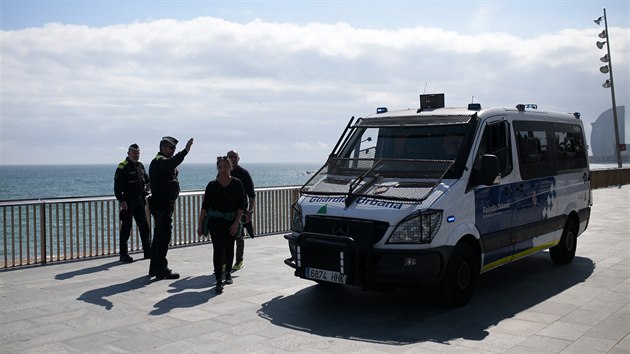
228	279
126	258
219	286
124	254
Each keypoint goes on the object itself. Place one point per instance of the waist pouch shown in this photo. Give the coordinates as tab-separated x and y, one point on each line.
229	216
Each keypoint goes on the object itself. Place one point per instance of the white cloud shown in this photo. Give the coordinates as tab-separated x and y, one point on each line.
275	91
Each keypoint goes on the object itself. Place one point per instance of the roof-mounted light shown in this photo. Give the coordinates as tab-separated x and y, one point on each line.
432	100
522	107
381	110
474	106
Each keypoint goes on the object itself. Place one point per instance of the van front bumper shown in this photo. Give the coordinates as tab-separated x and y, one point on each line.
363	265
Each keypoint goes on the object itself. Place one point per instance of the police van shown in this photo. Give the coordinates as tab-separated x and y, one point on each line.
437	196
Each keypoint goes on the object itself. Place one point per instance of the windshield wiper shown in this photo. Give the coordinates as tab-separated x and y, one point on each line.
354	185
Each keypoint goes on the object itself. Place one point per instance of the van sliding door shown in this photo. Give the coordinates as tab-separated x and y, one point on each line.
493	204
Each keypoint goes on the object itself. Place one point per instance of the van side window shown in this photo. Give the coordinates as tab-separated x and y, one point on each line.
496	141
533	149
532	146
570	147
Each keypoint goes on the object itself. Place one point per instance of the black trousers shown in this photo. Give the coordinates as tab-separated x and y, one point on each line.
162	212
222	245
135	210
240	242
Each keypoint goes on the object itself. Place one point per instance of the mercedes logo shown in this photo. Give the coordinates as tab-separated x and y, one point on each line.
341	229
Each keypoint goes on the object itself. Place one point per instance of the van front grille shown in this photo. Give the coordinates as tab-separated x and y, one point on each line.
364	232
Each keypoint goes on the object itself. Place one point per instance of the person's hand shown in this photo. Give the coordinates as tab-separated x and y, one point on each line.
200	231
123	206
233	229
248	216
189	144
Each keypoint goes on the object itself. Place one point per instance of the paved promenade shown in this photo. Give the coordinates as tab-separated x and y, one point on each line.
528	306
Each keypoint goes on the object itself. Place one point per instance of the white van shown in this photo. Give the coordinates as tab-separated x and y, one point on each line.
437	196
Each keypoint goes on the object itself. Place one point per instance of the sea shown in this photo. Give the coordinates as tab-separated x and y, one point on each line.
19	182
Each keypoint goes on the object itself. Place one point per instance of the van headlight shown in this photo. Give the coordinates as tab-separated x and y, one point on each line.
419	227
296	218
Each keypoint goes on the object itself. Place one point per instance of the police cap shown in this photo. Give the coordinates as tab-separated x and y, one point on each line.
170	140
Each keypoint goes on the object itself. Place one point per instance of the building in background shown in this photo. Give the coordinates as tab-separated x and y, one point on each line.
603	137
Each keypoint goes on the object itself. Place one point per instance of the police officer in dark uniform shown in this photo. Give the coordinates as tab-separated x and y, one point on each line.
131	186
165	190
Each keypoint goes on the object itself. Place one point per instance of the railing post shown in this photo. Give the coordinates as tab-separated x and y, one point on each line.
295	195
42	228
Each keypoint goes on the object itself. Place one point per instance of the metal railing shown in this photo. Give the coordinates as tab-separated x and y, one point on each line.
52	230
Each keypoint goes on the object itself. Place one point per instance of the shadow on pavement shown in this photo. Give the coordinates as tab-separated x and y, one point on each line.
97	296
188	298
409	316
86	271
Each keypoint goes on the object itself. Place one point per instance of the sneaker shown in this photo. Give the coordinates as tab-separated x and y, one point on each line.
219	289
126	259
228	279
238	266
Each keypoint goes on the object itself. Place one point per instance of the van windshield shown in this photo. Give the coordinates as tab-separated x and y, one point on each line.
415	143
401	162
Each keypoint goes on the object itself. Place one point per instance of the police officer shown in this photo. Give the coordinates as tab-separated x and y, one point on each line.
165	190
131	186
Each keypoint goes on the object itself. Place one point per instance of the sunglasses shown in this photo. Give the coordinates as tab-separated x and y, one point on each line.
219	158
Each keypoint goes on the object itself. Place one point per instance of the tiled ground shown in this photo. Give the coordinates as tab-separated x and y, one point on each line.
528	306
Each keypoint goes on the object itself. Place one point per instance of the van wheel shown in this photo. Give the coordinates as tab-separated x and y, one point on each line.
564	252
460	277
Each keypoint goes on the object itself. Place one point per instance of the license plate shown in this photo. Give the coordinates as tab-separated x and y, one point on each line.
325	275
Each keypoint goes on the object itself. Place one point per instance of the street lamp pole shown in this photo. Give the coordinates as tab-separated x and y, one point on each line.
612	86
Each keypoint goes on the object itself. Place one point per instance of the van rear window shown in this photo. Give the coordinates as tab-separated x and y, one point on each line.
570	147
545	148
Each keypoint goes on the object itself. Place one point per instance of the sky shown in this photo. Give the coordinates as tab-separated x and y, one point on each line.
279	80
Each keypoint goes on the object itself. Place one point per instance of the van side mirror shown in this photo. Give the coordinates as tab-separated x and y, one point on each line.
489	172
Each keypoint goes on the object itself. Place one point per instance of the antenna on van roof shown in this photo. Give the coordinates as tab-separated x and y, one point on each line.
425	87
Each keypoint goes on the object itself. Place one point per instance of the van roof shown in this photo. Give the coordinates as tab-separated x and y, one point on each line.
455	115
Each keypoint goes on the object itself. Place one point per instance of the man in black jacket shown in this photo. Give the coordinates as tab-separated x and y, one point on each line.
164	191
248	184
131	184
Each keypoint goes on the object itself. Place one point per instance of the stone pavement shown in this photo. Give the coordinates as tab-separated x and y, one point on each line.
528	306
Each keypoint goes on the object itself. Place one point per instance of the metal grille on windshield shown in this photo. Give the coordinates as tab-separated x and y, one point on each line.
394	179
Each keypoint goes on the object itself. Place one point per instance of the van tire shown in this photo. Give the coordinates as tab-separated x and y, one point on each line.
564	252
460	277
